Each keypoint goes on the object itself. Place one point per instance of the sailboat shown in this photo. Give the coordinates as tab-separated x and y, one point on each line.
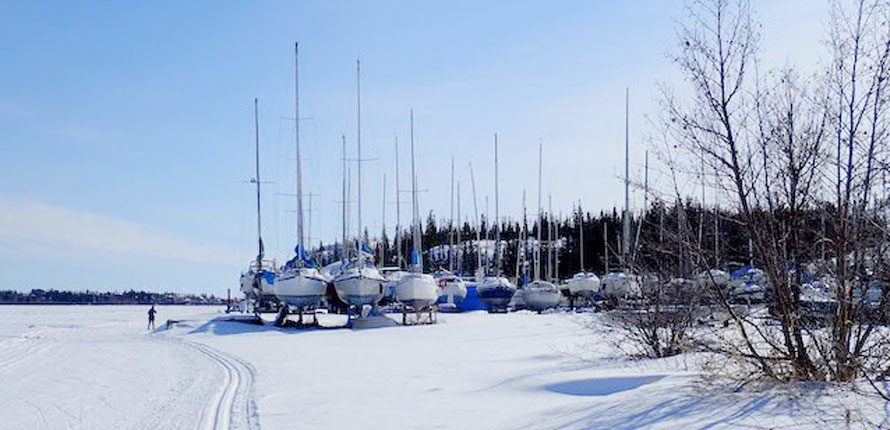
624	285
300	285
359	283
257	282
583	285
453	290
416	291
496	291
540	295
394	274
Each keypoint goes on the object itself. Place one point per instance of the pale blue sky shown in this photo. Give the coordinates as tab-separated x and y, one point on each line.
126	129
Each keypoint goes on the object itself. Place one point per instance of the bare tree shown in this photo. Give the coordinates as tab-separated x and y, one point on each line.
768	138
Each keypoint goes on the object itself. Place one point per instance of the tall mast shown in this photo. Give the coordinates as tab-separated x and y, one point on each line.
479	220
358	99
398	210
497	220
540	212
417	252
348	197
451	224
345	198
626	232
259	230
300	236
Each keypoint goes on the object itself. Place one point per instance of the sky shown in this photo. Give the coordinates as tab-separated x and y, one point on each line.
127	129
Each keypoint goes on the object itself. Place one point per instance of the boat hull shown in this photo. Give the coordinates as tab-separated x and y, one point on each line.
583	285
359	288
417	290
303	289
540	295
495	292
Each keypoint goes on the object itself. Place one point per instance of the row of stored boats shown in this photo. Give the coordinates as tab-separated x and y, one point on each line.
356	281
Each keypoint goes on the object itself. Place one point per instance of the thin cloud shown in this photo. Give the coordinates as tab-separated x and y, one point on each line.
43	230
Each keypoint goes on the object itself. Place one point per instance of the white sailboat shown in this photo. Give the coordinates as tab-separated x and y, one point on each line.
300	285
540	295
582	285
496	291
416	291
359	283
624	285
257	282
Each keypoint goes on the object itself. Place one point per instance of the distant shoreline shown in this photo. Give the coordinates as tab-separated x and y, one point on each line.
107	304
131	297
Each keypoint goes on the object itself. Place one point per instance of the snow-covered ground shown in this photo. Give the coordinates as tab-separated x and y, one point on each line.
97	367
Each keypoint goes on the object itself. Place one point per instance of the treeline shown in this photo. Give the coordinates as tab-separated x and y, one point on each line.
38	296
654	243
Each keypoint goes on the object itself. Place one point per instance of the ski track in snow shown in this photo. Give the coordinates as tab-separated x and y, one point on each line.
233	406
107	372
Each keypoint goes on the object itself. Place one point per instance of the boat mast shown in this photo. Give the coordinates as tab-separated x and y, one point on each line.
343	252
259	230
451	224
398	210
358	99
626	232
497	226
300	236
417	252
479	228
540	212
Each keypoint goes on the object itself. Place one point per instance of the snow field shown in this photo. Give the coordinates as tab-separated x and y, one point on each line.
98	368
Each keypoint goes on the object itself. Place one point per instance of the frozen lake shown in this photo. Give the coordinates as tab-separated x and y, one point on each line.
97	367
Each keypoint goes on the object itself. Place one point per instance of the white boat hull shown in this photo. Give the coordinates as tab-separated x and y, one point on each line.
540	295
417	290
301	289
360	287
583	285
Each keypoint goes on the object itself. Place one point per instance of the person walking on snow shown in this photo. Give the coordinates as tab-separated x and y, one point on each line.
151	317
